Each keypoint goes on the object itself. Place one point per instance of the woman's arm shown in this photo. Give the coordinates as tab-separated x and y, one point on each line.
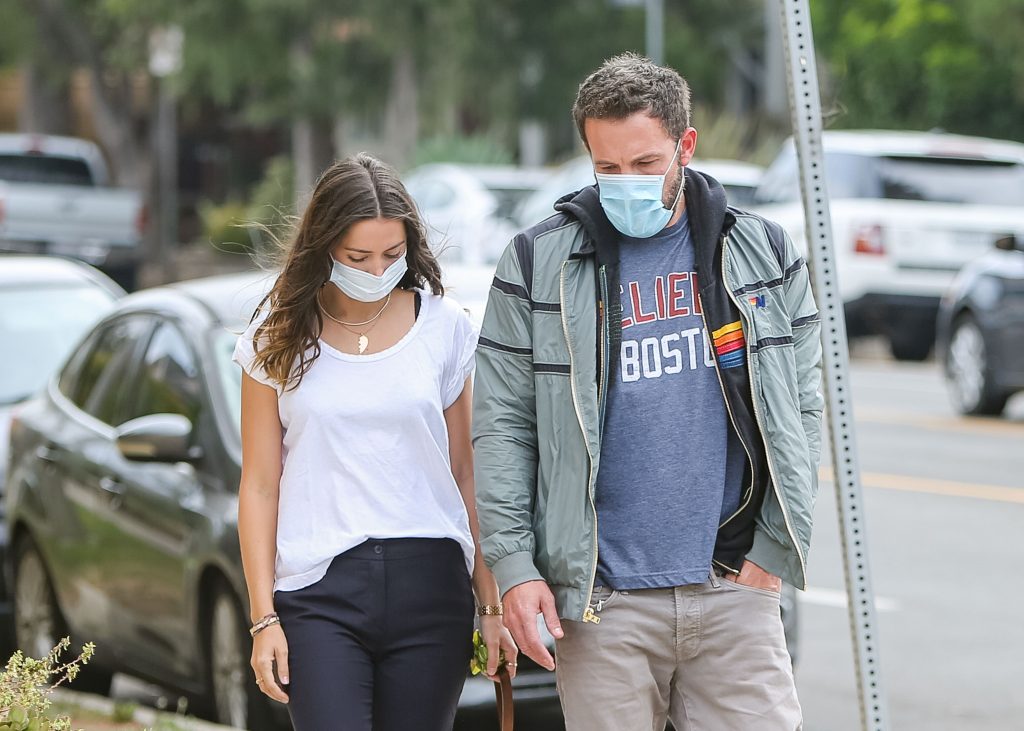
458	417
257	525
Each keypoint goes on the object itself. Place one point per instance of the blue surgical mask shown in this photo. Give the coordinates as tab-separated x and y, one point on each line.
633	202
365	287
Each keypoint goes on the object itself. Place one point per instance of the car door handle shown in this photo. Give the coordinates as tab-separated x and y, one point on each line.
114	487
46	453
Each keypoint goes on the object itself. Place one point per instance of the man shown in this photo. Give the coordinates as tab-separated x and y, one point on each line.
647	429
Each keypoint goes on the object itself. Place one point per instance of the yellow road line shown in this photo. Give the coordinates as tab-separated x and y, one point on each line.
906	483
966	424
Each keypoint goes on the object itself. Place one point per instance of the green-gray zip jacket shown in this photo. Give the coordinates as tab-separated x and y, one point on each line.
550	337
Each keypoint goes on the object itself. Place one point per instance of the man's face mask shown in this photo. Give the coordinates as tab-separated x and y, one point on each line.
633	203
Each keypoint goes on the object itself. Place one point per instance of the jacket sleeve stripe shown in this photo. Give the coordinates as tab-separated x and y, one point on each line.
515	290
488	343
802	321
562	370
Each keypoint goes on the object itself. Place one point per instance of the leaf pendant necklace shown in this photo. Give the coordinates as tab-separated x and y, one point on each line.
364	341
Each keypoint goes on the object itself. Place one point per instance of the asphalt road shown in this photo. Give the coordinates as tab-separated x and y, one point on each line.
944	502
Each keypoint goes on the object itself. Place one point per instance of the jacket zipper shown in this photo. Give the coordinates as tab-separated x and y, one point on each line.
602	376
749	493
588	613
760	424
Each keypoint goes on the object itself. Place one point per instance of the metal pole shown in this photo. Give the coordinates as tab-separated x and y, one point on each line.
655	30
167	178
805	107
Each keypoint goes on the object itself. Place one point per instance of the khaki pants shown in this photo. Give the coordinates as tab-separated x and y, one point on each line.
710	657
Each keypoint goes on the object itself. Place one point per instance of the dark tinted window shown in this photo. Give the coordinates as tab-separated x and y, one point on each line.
45	169
100	382
168	381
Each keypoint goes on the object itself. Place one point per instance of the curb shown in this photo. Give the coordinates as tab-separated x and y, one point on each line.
146	716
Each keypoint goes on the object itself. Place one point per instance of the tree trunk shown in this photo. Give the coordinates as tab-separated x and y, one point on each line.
401	116
45	107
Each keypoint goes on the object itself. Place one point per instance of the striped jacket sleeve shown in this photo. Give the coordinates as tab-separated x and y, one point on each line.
505	425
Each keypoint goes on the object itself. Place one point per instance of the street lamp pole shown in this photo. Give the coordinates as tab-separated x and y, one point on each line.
655	30
165	46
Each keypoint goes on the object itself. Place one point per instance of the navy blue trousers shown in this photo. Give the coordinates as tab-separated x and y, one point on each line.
383	641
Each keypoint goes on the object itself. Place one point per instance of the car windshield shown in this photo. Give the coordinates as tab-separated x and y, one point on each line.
230	376
38	328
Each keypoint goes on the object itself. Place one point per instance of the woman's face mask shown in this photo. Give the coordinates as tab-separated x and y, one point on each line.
633	203
365	287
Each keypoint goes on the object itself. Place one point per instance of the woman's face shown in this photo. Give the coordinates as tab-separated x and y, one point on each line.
372	245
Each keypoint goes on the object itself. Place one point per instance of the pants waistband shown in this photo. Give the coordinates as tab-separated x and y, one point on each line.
400	548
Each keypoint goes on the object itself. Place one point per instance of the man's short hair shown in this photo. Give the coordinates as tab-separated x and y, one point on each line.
629	83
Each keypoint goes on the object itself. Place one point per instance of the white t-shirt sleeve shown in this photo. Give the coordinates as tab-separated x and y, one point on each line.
245	356
461	359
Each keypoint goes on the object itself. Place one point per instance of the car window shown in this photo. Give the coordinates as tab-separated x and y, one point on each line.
168	380
100	382
49	169
39	325
431	194
780	183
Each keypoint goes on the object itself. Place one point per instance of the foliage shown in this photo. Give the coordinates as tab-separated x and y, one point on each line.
920	64
481	149
478	662
26	685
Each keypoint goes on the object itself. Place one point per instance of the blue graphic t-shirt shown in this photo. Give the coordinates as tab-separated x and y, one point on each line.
671	465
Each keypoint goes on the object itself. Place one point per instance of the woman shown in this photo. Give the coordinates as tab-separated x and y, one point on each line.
357	517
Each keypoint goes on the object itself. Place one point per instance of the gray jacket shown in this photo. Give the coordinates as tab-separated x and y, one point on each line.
550	337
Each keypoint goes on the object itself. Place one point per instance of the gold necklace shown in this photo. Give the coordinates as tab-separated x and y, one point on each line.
364	342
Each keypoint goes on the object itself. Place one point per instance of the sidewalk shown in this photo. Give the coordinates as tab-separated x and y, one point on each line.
97	713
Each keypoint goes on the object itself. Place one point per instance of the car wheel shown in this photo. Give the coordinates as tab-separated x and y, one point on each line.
38	625
910	347
967	371
234	698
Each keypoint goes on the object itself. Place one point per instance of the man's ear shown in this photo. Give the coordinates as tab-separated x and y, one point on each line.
687	146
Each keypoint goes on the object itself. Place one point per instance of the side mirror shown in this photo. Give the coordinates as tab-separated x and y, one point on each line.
158	438
1010	243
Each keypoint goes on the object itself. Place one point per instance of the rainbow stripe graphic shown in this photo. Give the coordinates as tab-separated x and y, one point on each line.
730	345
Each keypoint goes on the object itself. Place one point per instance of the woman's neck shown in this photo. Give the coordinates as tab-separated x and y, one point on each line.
343	307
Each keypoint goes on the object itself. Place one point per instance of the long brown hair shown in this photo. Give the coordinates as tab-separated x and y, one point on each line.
355	189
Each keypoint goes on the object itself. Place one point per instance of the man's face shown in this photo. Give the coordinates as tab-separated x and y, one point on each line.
639	145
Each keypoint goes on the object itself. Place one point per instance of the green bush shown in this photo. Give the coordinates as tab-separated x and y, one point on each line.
238	227
480	149
26	685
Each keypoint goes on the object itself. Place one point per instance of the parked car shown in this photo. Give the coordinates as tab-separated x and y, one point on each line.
123	498
46	304
740	180
468	208
909	209
55	198
981	330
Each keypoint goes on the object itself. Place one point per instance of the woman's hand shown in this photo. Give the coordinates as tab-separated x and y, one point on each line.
270	647
498	639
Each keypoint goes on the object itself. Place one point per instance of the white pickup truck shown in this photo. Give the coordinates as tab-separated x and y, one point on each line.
909	209
55	199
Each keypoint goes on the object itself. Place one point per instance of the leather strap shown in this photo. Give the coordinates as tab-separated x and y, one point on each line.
503	694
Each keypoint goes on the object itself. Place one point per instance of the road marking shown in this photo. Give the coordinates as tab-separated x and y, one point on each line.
837	598
906	483
962	425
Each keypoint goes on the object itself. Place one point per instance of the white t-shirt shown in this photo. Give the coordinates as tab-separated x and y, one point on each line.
365	451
